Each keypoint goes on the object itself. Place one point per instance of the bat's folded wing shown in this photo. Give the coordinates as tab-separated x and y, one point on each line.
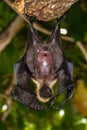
26	98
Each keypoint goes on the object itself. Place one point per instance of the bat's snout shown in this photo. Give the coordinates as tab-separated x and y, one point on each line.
45	92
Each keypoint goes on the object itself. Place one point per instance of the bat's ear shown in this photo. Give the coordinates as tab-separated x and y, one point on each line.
33	37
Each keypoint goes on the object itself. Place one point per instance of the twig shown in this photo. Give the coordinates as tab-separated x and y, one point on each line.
67	38
9	3
10	32
3	96
79	44
41	29
83	50
8	100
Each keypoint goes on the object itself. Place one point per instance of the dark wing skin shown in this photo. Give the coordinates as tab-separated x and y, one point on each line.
54	45
23	72
62	67
34	44
22	91
65	81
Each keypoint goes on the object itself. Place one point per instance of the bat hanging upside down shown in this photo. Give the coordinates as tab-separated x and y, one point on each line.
45	64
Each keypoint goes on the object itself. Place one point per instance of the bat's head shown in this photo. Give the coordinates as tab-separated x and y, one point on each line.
44	88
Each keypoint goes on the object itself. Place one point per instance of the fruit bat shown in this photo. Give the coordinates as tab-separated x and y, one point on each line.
44	64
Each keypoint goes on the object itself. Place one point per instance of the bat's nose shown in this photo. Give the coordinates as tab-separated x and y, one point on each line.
45	92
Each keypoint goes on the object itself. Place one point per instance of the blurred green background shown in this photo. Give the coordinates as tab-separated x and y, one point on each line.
73	116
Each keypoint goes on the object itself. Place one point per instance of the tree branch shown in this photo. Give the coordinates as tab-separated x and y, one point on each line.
10	32
8	100
44	10
83	50
9	3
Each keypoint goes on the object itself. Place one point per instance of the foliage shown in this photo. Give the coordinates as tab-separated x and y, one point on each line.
20	117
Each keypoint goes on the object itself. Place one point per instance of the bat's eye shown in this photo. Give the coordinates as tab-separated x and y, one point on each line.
45	92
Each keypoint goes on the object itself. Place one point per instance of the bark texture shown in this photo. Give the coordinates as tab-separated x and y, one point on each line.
44	10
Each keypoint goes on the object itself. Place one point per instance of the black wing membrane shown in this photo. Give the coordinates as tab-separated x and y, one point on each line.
65	82
22	91
64	67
